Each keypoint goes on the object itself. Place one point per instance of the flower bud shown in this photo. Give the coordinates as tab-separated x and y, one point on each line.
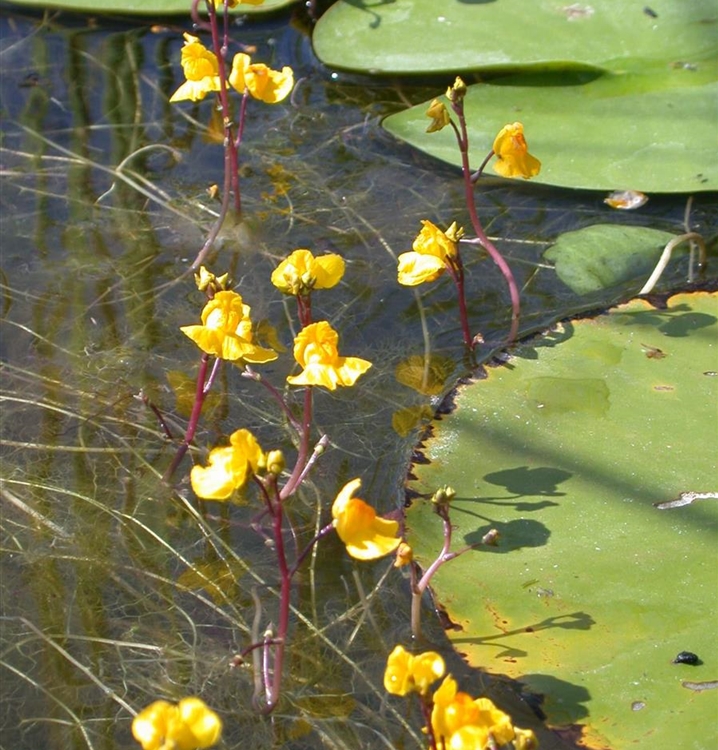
404	555
275	462
456	93
443	496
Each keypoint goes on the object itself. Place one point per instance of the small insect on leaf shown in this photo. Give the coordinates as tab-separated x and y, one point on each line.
653	352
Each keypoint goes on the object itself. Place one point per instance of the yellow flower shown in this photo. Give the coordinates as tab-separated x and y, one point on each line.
271	86
366	535
514	159
465	723
432	252
406	673
439	115
315	349
230	467
301	272
188	725
201	70
226	331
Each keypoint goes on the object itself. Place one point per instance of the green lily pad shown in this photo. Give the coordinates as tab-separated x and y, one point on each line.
606	255
654	133
593	589
146	7
423	36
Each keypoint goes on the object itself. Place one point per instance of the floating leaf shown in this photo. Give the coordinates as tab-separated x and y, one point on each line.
592	590
606	255
423	36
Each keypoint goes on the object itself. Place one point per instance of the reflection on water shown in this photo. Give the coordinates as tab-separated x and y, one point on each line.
116	589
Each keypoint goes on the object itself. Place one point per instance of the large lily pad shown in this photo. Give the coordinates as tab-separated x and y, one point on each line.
655	133
593	590
423	36
146	7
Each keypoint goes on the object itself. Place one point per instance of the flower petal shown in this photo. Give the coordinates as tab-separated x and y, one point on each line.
219	480
328	270
195	91
416	268
203	723
366	536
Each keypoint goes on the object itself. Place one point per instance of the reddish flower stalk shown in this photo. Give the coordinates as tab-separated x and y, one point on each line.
231	142
204	384
462	138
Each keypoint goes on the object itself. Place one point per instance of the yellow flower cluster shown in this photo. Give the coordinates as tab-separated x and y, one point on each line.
188	725
458	721
513	158
226	332
201	69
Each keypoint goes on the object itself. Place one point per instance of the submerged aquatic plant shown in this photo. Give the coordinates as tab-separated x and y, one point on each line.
227	334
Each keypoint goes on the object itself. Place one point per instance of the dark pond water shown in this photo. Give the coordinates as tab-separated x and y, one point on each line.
117	589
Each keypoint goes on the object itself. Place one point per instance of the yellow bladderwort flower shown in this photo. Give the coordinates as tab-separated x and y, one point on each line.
366	535
514	159
439	115
188	725
226	331
201	70
406	673
432	251
230	467
301	272
465	723
315	349
270	86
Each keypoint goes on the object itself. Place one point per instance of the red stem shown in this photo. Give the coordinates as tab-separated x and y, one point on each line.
199	396
463	141
418	588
